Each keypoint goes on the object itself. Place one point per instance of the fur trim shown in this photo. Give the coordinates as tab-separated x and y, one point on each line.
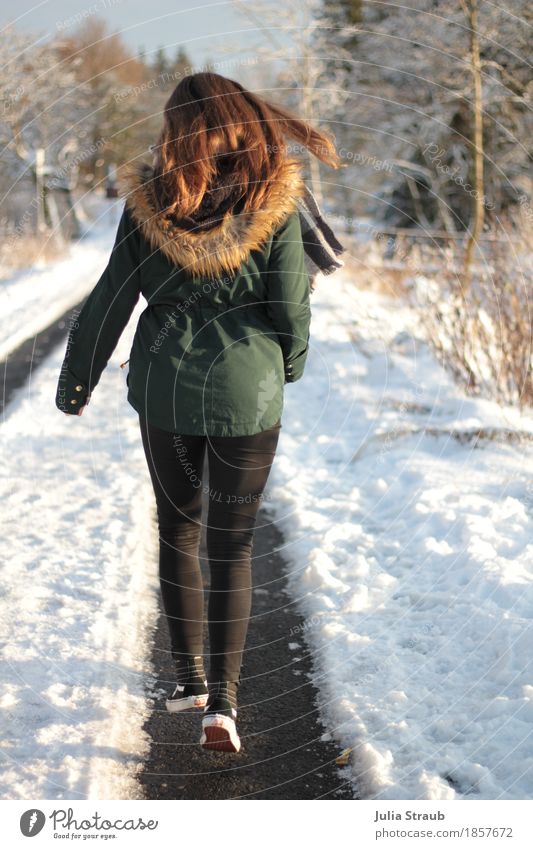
222	248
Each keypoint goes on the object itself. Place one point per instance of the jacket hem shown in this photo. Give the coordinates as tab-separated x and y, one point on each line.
208	428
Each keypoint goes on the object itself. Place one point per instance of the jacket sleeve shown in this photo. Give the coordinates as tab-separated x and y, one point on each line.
104	315
288	302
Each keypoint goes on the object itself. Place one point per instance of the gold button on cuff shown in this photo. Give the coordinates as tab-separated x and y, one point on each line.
74	401
79	388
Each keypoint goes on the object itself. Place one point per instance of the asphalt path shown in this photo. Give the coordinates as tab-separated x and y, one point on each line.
18	367
283	754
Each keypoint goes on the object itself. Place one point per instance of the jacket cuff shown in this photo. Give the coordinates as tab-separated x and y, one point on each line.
294	368
72	393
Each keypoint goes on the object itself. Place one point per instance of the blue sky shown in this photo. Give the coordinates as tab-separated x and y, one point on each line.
203	28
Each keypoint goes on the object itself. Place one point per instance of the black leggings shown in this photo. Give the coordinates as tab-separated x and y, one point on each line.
238	471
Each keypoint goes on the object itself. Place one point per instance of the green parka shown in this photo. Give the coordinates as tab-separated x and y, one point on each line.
227	318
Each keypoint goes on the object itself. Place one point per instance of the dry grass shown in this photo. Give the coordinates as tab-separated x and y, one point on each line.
483	334
19	251
366	267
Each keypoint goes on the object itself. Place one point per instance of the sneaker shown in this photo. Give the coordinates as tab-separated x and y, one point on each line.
191	691
219	731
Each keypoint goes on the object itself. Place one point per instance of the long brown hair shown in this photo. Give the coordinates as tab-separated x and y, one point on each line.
211	122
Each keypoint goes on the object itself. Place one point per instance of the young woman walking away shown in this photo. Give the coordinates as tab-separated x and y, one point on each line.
210	236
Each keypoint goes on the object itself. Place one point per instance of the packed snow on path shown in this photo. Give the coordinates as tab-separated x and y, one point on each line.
34	298
78	602
411	555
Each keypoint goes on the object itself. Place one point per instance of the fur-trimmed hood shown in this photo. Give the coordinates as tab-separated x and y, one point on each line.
223	247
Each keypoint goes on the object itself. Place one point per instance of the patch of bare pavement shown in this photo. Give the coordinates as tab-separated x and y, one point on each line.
18	367
283	755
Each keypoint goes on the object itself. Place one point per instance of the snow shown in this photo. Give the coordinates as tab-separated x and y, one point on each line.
78	602
34	298
409	549
411	556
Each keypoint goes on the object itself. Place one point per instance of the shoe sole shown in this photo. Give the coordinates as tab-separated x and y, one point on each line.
188	703
219	734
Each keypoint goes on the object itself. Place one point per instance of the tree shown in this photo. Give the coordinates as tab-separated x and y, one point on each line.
470	9
313	82
108	73
445	92
43	111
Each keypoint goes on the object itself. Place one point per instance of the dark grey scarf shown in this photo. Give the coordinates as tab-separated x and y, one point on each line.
322	248
226	193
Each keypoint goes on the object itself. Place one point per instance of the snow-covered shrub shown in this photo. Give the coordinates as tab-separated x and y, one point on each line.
483	334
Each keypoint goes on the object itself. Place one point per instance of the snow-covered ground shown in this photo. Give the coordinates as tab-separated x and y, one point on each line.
411	553
78	601
32	299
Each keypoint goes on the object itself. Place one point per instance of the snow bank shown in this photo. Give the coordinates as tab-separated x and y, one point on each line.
31	300
411	556
78	602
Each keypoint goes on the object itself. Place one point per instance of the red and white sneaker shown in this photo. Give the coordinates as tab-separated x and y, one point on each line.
191	691
219	729
188	697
